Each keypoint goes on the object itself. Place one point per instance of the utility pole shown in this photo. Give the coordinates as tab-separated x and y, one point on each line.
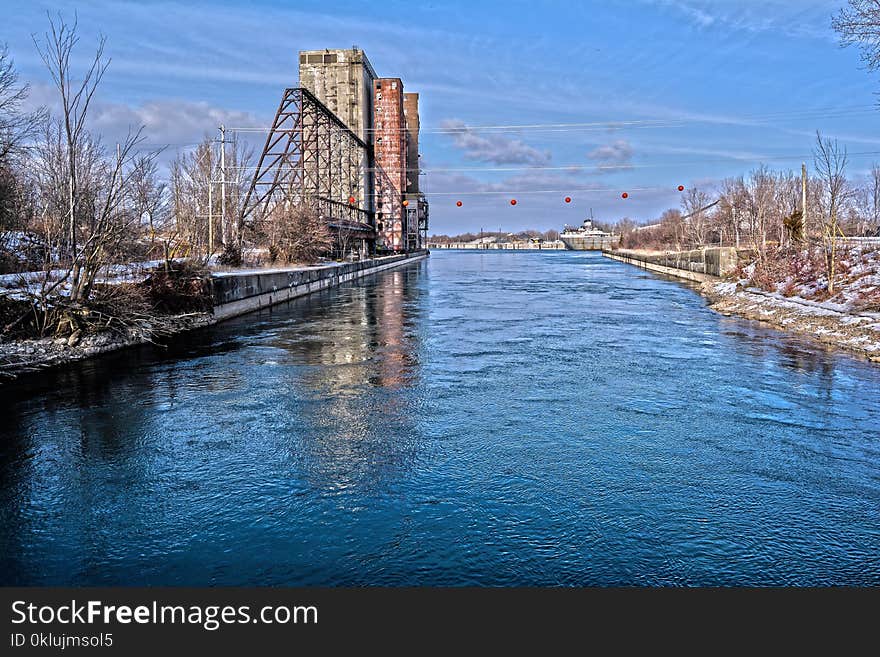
210	210
803	226
223	183
735	226
119	166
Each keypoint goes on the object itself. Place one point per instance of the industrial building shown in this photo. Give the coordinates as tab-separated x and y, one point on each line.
346	143
378	112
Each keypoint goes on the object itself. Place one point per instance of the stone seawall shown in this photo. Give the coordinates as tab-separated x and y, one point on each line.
695	265
237	293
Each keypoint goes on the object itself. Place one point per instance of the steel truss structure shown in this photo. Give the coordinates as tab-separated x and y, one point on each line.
312	158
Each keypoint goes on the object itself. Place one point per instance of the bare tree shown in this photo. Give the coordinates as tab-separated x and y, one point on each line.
859	24
868	202
56	48
149	194
830	159
196	199
238	161
696	220
16	125
301	234
758	196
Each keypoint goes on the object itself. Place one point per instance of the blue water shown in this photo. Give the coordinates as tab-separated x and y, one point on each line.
479	418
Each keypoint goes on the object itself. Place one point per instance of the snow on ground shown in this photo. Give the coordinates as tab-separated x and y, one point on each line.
828	323
32	282
803	278
791	293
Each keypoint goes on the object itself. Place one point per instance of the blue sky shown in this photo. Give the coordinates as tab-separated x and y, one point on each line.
635	96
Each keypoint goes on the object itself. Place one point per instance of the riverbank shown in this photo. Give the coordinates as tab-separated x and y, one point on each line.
19	357
234	293
839	322
856	332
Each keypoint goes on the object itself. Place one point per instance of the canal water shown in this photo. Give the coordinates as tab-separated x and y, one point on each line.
477	419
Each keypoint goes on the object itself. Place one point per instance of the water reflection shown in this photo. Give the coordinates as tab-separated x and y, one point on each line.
352	433
516	418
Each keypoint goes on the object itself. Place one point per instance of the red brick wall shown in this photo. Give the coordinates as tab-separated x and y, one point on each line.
389	143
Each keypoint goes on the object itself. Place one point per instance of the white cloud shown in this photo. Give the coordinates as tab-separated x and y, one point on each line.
618	154
166	121
494	148
801	19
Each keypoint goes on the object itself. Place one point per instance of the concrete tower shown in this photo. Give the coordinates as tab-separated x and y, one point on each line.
343	81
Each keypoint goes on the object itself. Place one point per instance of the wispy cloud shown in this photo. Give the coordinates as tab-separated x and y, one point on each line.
804	18
617	154
492	148
167	122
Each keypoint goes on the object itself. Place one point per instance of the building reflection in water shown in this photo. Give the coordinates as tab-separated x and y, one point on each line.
358	394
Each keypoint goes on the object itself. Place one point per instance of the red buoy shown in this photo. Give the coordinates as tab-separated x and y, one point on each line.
513	201
624	195
458	203
351	200
405	203
681	188
568	199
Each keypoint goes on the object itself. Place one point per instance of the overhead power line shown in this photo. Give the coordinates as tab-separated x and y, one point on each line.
815	113
588	167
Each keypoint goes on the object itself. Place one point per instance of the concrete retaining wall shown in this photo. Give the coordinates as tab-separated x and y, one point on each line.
695	265
236	293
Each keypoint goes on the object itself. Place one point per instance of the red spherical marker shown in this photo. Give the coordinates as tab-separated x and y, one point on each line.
351	200
681	188
458	203
624	195
405	203
513	201
568	199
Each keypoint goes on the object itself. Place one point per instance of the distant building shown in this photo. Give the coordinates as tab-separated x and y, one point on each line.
586	229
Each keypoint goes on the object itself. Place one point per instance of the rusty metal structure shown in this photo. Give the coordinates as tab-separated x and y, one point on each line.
312	158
